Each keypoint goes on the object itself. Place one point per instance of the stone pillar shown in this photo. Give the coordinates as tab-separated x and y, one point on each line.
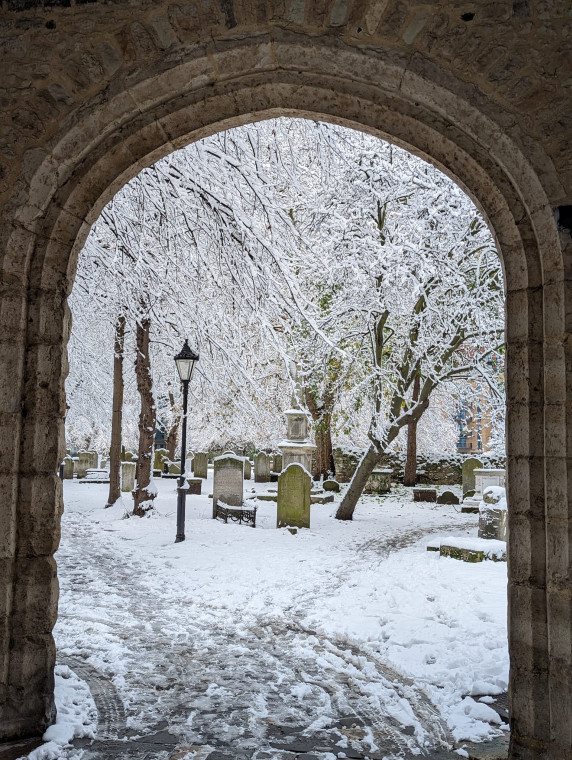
294	486
468	474
228	481
261	468
127	476
200	464
68	468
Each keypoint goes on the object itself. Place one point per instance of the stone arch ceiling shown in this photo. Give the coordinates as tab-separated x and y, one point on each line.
510	59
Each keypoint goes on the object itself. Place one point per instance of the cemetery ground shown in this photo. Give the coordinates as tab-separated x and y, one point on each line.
345	640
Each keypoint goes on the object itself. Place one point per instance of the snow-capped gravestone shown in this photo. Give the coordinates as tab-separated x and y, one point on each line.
261	468
484	478
297	447
468	473
277	463
294	486
68	468
493	514
247	469
127	476
228	481
161	455
200	464
87	460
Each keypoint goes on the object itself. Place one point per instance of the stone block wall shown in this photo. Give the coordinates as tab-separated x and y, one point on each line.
432	469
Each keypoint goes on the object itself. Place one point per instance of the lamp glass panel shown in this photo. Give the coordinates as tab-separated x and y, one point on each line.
185	367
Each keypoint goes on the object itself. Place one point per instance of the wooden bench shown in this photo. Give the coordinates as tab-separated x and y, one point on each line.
240	515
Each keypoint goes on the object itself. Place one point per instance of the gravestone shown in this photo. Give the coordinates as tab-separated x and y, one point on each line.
294	486
200	463
174	469
85	463
331	485
493	515
379	481
127	476
424	494
159	459
448	497
228	481
277	464
103	464
195	486
468	470
261	468
247	469
68	468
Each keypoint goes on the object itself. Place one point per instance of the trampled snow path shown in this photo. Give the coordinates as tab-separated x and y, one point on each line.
175	660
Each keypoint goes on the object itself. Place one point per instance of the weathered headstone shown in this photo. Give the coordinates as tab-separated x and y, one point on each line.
261	468
159	459
228	481
277	463
174	469
493	515
85	462
68	468
294	486
468	470
331	485
425	494
448	497
379	481
200	464
195	486
127	476
247	469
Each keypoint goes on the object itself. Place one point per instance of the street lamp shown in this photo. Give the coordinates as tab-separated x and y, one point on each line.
185	361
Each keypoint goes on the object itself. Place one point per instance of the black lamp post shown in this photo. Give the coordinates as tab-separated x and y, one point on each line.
185	361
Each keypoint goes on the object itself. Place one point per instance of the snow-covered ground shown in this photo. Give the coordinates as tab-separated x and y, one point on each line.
236	633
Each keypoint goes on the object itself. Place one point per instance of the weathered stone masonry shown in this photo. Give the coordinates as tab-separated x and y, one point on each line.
91	92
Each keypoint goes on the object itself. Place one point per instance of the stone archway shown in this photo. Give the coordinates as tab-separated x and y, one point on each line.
138	100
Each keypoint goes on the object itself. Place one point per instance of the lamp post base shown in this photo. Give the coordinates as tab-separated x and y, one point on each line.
181	498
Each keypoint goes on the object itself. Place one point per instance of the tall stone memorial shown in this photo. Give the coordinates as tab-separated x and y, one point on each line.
228	481
200	464
294	485
468	470
127	476
297	447
261	468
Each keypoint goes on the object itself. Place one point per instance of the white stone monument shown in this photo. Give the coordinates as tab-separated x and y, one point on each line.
297	448
484	478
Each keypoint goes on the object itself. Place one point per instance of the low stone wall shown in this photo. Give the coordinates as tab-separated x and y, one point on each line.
431	469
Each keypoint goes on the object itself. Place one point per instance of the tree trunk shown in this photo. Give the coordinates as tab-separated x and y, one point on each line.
143	497
410	474
322	418
357	484
116	418
173	433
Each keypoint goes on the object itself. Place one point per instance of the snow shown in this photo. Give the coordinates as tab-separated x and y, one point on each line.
76	716
395	631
